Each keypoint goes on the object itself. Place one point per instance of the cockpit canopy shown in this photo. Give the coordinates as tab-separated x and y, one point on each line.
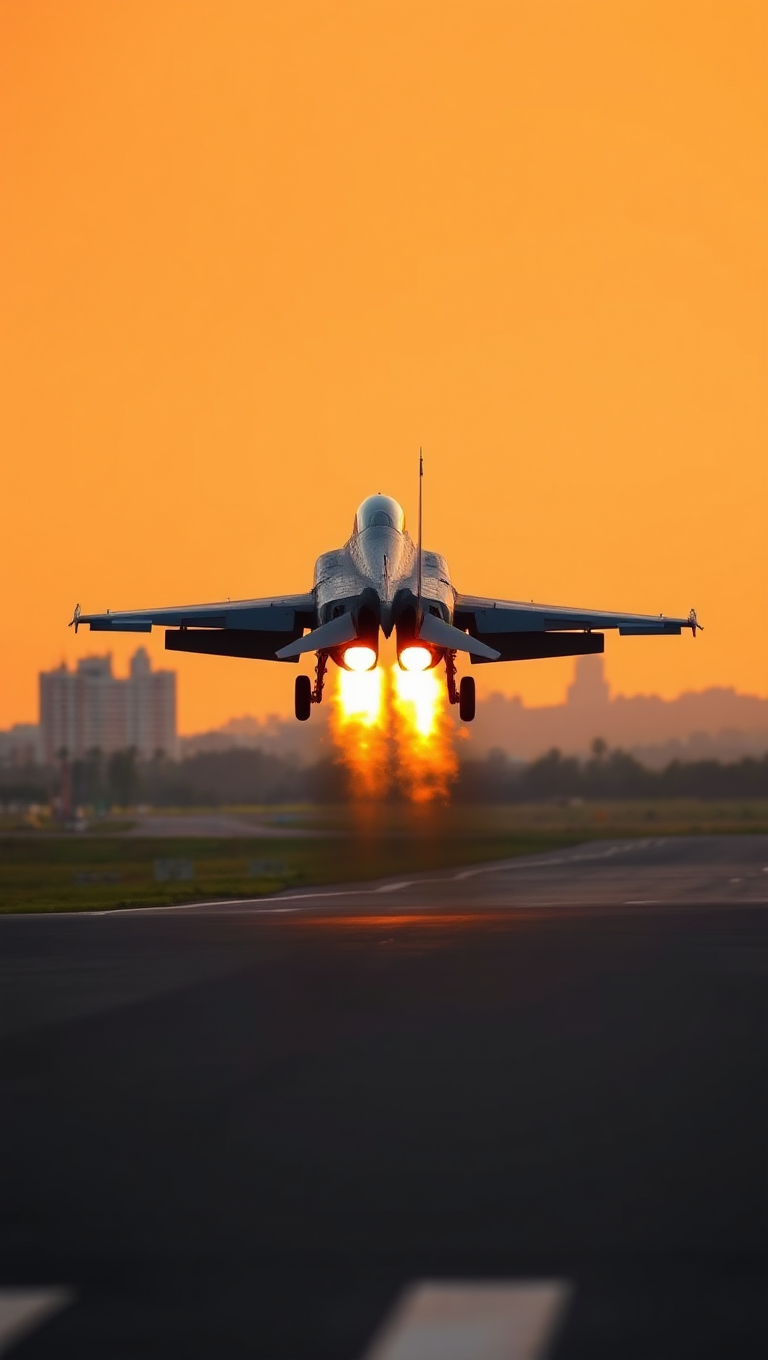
379	511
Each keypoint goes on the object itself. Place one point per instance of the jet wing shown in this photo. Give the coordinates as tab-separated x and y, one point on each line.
521	631
276	614
252	628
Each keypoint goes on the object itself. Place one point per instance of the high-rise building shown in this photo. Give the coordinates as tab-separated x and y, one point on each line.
589	691
91	708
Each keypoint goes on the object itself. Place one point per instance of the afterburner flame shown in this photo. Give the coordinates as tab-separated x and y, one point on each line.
426	761
358	729
417	699
359	658
392	729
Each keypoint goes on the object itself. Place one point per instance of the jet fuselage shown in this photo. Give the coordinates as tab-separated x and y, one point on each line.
375	574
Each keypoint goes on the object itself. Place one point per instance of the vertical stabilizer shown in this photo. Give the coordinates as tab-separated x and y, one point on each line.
418	545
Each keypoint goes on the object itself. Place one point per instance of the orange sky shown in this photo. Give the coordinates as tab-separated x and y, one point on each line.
252	255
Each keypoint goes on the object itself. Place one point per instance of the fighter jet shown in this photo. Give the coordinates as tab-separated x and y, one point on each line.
380	581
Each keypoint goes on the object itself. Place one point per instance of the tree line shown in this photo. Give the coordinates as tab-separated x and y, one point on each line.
608	774
242	775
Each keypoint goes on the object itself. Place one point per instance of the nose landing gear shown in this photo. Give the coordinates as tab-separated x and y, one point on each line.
464	695
305	693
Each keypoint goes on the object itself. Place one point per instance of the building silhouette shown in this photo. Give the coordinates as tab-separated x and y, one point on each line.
20	746
716	723
589	691
91	708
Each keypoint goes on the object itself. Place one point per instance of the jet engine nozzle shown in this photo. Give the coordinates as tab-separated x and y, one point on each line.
415	657
413	653
359	656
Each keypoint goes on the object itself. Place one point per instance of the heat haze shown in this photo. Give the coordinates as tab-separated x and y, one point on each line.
252	256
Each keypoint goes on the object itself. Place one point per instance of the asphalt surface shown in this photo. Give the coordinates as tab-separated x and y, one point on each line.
242	1130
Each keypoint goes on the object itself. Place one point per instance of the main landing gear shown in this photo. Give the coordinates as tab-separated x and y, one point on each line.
303	697
305	693
467	698
464	694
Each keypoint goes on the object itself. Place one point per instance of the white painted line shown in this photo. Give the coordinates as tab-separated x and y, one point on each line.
24	1310
256	902
472	1321
641	902
262	905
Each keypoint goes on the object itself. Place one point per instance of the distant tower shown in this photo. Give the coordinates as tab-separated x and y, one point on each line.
58	714
92	708
151	699
589	691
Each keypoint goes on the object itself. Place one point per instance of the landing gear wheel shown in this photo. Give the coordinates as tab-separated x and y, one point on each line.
303	697
467	698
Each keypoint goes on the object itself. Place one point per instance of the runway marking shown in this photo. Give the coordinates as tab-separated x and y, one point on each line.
486	1320
24	1310
263	905
500	866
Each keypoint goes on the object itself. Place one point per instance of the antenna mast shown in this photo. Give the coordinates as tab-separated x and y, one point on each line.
421	483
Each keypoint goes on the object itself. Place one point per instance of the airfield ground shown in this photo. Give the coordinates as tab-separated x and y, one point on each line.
246	852
246	1130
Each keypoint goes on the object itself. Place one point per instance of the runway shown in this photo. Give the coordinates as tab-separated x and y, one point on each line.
244	1129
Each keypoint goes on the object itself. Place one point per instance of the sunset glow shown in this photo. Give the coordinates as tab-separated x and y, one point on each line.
252	256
